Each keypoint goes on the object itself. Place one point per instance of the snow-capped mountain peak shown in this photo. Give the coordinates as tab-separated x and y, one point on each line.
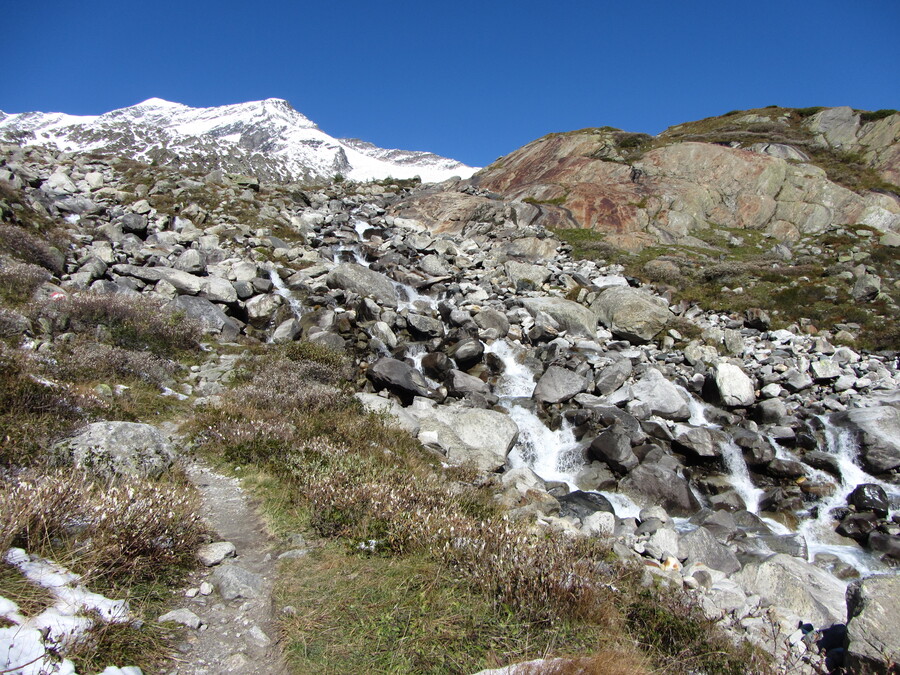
269	138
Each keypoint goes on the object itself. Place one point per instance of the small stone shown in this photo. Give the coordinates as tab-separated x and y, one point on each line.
183	616
191	592
213	554
206	588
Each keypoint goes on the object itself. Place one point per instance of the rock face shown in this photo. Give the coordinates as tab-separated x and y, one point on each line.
119	449
873	614
631	314
590	179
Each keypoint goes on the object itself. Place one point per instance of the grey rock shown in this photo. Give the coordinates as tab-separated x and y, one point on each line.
873	611
488	319
558	384
287	331
191	261
525	277
213	554
803	589
467	353
425	326
580	504
661	396
364	282
735	388
262	308
613	376
185	617
210	317
699	441
386	406
482	438
700	546
825	370
460	383
631	314
866	288
118	449
235	582
577	320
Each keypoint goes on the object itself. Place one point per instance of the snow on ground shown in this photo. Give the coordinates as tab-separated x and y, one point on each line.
30	645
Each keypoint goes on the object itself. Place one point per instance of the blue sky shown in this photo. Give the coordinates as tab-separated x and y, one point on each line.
469	80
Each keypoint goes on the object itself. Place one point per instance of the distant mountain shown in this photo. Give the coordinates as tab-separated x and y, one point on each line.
267	138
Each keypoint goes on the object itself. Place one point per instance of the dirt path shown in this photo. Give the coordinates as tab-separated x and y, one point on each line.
238	635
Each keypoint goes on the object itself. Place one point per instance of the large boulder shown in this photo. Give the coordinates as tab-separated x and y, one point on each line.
482	438
735	388
700	546
399	378
631	314
803	589
873	616
660	485
576	320
364	282
878	433
558	385
118	449
396	414
211	318
661	396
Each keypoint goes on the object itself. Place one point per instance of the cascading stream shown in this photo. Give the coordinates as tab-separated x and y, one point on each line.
285	292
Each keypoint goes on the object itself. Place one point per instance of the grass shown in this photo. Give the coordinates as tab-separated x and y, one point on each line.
31	598
420	571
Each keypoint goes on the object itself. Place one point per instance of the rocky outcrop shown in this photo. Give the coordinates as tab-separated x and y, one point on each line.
111	449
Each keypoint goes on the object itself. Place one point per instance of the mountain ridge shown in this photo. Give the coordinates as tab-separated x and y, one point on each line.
268	138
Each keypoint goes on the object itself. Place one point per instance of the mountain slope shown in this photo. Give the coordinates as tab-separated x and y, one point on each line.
268	138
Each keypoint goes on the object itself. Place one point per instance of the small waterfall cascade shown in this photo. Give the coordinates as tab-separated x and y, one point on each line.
285	292
738	474
819	530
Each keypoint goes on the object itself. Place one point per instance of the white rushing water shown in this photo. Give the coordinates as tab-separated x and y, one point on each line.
819	531
285	292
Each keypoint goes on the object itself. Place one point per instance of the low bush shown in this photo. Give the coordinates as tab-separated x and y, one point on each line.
867	116
21	244
87	361
19	281
33	412
129	322
127	530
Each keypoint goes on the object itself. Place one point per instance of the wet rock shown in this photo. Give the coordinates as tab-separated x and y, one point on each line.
873	641
699	441
613	447
661	485
436	365
878	432
886	544
580	504
870	497
467	353
425	326
558	385
460	383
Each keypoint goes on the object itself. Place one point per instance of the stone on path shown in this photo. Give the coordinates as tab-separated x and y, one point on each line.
213	554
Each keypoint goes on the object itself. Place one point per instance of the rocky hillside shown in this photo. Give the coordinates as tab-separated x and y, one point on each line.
747	467
266	138
781	171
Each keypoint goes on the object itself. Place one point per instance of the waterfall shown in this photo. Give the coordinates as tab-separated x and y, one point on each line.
819	531
733	457
285	292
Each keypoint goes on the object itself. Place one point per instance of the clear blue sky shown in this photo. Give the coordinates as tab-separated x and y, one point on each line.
469	80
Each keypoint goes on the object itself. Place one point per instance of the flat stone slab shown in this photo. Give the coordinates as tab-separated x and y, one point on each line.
213	554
